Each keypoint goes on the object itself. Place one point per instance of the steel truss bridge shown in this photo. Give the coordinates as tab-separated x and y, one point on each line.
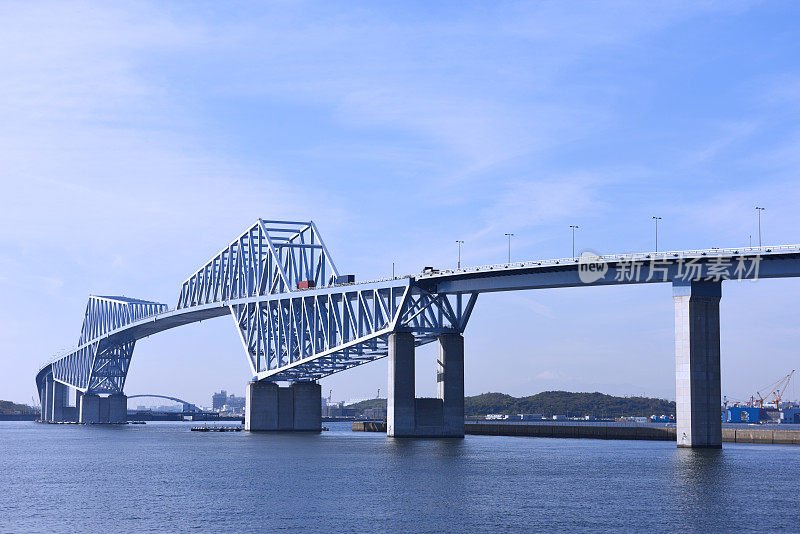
299	319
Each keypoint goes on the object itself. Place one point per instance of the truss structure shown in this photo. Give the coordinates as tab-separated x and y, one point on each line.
269	258
104	314
310	336
101	365
297	318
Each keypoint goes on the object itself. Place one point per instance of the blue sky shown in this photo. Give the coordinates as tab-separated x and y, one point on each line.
137	139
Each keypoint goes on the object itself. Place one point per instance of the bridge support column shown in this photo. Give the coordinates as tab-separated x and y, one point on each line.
407	416
450	382
105	408
117	408
43	400
297	408
307	399
697	364
261	406
89	409
47	404
78	396
285	409
71	412
59	400
401	404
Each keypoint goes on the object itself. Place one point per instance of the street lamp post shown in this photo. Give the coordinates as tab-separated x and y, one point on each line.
656	219
509	236
759	210
573	226
459	242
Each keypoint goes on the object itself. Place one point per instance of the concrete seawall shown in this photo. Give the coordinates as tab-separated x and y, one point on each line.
776	436
573	431
19	417
761	435
369	426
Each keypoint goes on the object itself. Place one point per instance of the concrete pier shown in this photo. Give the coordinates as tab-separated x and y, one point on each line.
261	406
59	400
400	406
54	398
307	398
118	408
105	409
47	405
285	409
70	414
89	410
697	364
78	396
450	382
70	411
270	407
408	416
43	401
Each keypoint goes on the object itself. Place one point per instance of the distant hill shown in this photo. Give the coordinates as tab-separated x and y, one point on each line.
367	404
549	403
8	407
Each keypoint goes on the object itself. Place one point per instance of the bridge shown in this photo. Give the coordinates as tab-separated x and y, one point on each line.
187	406
299	320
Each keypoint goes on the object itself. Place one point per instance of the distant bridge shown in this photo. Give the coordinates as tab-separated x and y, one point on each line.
187	406
300	320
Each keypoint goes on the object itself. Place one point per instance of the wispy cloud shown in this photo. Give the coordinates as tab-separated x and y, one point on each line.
522	204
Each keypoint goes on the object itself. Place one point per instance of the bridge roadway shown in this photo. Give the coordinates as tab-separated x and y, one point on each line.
299	320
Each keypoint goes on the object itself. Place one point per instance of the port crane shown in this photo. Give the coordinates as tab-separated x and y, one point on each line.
776	391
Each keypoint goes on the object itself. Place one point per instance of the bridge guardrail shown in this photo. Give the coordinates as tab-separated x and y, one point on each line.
634	256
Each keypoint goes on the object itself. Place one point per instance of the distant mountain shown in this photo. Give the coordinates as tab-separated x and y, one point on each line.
549	403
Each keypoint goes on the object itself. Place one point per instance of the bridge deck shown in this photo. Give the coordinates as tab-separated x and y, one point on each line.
661	267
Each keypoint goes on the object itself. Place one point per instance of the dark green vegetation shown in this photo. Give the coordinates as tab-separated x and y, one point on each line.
549	403
8	407
367	404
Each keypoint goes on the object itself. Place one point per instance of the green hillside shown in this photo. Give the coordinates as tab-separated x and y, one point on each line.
367	404
549	403
10	407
